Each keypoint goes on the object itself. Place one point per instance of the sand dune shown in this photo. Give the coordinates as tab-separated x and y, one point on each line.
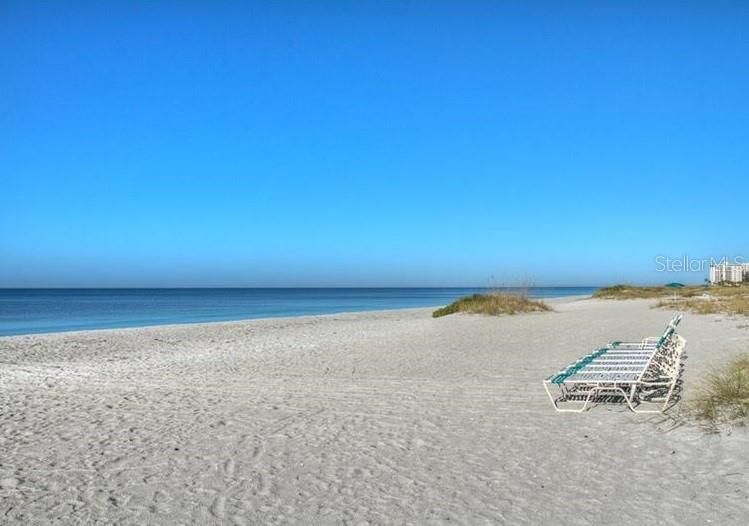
371	418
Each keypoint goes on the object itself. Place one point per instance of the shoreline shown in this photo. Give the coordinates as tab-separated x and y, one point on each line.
553	300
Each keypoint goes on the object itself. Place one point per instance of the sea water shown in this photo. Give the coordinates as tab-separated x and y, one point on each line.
27	311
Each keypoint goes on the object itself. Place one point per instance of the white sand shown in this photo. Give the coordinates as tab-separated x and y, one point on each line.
373	418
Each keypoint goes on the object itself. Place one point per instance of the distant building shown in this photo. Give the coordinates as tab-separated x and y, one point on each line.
726	272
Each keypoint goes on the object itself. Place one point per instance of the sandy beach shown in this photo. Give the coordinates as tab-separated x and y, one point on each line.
386	417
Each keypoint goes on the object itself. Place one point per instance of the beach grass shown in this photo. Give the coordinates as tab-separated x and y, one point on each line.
630	292
719	299
493	304
724	397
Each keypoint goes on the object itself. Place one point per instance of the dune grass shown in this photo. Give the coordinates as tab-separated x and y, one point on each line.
493	304
629	292
724	398
718	299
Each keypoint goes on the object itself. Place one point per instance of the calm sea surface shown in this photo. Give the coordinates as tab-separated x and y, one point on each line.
26	311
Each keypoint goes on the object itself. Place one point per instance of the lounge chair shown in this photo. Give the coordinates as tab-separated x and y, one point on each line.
645	371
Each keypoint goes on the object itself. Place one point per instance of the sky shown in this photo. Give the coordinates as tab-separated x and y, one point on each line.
401	143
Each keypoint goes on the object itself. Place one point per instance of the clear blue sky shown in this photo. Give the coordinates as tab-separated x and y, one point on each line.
370	143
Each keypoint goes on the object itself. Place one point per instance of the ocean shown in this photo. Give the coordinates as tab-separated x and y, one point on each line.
29	311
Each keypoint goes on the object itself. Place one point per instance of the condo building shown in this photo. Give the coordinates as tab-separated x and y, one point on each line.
730	273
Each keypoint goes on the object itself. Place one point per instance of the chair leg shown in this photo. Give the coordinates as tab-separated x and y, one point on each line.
665	403
555	401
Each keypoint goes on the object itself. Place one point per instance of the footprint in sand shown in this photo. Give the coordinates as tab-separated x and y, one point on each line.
218	508
229	467
262	485
257	452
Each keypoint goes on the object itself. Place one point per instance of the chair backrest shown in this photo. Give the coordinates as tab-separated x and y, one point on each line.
670	330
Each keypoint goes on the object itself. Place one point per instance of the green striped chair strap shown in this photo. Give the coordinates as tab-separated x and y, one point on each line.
577	366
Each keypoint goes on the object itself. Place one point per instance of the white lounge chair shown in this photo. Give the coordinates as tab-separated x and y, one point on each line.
645	371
